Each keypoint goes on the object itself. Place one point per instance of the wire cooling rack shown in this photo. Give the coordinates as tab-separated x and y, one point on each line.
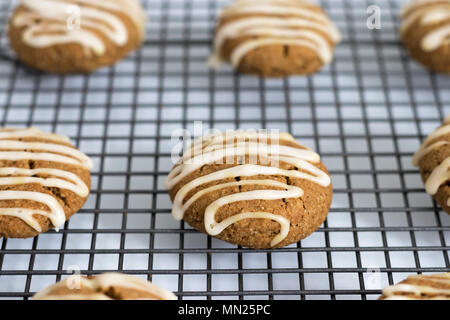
365	114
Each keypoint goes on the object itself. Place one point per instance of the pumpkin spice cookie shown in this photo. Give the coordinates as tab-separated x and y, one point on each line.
420	287
75	36
106	286
274	38
44	180
433	159
255	189
425	32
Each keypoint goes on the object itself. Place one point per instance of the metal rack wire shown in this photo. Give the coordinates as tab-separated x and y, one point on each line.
365	114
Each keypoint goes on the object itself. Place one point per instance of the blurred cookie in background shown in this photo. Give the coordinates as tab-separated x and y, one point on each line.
425	32
274	38
420	287
75	36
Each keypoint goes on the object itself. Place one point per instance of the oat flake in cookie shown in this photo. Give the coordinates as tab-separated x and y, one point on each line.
255	189
106	286
425	32
274	38
433	159
44	180
420	287
75	36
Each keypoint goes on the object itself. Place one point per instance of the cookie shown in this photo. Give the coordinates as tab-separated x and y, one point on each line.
75	36
420	287
433	159
44	180
254	189
106	286
424	30
274	38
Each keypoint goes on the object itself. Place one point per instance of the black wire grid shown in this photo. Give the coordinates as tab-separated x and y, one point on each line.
365	114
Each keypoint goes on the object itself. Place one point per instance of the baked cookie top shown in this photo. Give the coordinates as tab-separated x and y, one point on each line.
269	22
420	287
255	166
86	22
106	286
43	181
431	14
433	158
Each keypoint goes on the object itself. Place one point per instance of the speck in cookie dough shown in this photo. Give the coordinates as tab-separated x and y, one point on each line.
425	32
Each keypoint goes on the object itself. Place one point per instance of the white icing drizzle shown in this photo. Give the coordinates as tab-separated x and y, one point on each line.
441	173
56	214
292	155
425	13
250	45
6	133
27	215
436	38
96	15
412	5
76	157
217	147
52	177
271	7
95	296
304	27
215	139
407	291
102	283
75	184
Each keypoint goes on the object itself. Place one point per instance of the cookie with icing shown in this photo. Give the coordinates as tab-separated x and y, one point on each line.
274	38
75	36
425	32
420	287
44	180
255	189
106	286
433	159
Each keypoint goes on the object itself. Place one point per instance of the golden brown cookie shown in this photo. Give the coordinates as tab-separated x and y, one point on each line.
44	180
274	38
420	287
425	30
255	189
106	286
75	36
433	159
